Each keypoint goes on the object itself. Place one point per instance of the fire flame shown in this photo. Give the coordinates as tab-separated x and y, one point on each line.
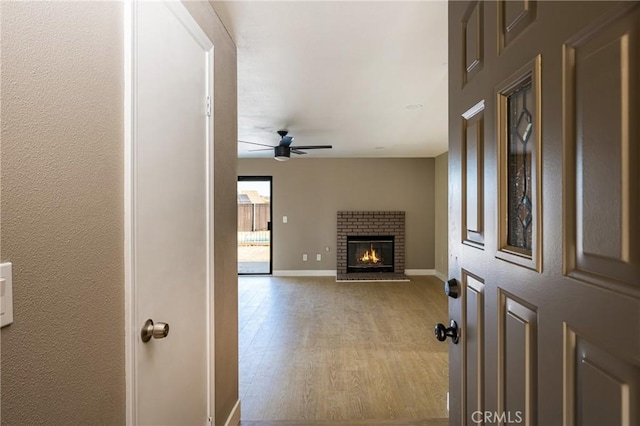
370	256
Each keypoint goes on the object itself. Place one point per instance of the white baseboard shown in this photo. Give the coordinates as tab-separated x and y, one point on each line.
433	272
305	273
234	416
332	273
442	277
410	272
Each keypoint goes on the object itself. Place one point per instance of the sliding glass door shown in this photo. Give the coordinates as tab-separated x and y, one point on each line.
254	225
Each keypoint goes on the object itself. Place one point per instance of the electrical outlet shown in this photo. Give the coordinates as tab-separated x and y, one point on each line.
304	257
285	219
318	257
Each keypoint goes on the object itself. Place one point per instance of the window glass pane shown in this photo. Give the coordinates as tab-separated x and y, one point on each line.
519	149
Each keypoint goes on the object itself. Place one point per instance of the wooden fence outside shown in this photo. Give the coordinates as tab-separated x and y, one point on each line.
253	217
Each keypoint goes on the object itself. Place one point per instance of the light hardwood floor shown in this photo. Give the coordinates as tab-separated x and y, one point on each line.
317	352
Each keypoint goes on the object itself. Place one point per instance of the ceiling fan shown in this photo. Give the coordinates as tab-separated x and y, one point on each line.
284	149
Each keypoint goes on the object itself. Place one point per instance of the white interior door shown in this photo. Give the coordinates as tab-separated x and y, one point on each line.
170	213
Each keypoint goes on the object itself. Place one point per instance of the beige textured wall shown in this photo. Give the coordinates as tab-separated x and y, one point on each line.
62	212
310	192
442	214
225	267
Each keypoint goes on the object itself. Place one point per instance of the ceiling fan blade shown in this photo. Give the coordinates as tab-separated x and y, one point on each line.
296	151
314	147
261	149
286	141
255	143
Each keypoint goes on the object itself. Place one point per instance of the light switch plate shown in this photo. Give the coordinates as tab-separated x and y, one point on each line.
284	219
6	293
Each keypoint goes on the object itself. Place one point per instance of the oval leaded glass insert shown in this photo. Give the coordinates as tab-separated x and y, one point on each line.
519	161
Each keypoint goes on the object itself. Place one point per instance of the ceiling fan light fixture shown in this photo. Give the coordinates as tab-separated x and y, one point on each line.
282	153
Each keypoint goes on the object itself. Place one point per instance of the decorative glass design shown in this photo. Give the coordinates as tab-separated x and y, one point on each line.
519	158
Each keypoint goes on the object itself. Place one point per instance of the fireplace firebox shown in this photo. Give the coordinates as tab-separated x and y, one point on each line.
367	253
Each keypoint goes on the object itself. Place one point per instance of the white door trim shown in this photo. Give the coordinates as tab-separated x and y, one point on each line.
234	416
130	105
129	311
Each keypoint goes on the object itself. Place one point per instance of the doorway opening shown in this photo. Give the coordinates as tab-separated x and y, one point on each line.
254	225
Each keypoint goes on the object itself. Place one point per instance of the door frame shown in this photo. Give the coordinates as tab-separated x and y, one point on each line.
132	329
246	178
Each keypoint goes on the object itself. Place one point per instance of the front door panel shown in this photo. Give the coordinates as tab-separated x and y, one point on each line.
545	211
474	325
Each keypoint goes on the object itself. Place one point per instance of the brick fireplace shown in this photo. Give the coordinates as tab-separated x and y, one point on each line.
358	225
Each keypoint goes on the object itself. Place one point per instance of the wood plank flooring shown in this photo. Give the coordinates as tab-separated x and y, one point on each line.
313	351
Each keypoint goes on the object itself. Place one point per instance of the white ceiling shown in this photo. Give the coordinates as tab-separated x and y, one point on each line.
341	73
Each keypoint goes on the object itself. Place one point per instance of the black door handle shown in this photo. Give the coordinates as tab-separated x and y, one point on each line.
443	332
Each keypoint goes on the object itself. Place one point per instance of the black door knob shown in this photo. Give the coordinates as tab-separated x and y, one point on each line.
443	332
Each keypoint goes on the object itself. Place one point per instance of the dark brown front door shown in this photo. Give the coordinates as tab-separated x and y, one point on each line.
544	196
